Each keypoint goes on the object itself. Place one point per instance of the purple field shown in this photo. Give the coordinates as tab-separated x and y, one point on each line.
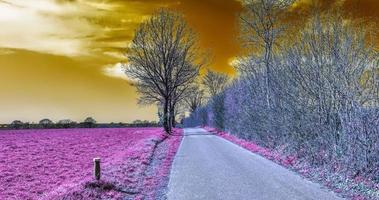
46	164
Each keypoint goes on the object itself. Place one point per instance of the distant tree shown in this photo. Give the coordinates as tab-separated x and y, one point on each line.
46	123
137	121
143	123
89	122
215	82
66	123
27	125
17	124
163	61
194	99
182	117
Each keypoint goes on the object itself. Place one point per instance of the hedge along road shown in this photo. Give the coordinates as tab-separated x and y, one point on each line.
209	167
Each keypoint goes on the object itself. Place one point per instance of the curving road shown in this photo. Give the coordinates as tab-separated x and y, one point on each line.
209	167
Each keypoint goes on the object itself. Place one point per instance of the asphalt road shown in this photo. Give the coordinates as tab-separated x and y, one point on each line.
209	167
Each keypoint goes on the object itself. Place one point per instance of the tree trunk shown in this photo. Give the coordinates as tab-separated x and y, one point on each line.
172	116
166	119
267	57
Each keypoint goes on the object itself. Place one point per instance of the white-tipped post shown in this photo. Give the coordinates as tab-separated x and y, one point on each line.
96	165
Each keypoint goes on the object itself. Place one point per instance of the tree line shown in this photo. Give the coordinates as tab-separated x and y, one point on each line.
89	122
313	92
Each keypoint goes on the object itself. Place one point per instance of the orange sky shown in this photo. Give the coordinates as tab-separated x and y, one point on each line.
60	58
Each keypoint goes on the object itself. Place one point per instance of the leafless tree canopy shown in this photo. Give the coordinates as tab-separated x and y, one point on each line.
261	23
194	99
163	61
260	30
215	82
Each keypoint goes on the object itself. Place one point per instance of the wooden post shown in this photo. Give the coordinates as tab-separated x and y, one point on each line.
96	165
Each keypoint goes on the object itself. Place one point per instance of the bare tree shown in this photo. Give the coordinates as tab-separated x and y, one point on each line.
163	61
46	123
179	96
89	122
325	69
215	82
16	124
261	26
370	85
66	123
195	99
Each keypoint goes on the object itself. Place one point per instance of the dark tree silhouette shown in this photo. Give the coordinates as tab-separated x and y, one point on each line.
89	122
66	123
46	123
163	62
17	124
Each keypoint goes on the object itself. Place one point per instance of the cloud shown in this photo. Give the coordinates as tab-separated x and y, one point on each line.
71	27
38	26
117	71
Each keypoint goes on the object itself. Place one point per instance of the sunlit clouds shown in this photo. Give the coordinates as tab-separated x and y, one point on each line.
71	28
117	70
44	26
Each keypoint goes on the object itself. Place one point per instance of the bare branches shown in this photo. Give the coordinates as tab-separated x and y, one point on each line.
215	82
323	97
194	99
261	26
260	22
163	61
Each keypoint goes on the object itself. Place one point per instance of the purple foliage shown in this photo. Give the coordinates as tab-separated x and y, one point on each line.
51	164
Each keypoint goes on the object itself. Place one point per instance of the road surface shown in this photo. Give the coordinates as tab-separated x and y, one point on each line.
211	168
